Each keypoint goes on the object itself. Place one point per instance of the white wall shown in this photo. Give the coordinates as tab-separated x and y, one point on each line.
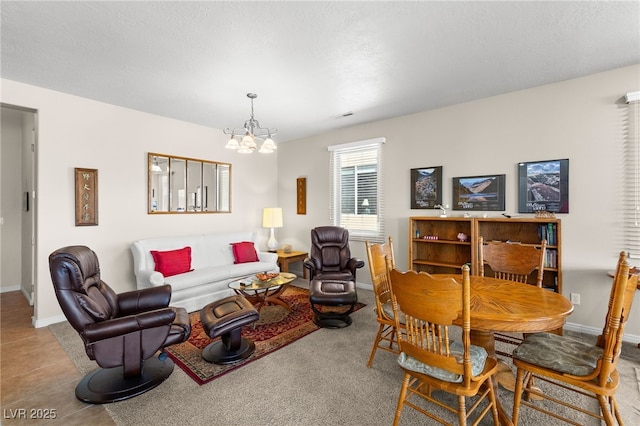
580	119
79	132
10	209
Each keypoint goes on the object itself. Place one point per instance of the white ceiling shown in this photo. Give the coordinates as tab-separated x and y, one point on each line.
309	62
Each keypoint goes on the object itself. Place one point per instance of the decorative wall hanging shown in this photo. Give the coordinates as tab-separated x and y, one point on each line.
86	181
301	192
426	187
485	193
543	185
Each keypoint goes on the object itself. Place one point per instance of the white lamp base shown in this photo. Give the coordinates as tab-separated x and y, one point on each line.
272	244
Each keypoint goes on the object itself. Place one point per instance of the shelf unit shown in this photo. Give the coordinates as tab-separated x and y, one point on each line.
529	231
442	253
434	246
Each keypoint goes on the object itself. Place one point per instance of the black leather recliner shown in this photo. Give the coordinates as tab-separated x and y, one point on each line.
330	256
121	332
332	278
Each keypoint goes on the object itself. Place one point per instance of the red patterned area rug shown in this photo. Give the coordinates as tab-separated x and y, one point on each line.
275	329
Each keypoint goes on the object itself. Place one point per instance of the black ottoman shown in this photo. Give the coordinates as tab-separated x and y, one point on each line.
225	318
332	293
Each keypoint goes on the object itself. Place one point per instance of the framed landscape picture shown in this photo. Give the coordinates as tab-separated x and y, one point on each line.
485	193
543	186
426	187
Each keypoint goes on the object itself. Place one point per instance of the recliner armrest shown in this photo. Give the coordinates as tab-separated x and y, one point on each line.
129	324
355	263
311	266
143	300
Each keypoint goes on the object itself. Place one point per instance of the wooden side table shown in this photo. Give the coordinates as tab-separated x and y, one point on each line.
284	259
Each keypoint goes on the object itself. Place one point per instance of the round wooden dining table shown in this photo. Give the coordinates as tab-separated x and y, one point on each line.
508	306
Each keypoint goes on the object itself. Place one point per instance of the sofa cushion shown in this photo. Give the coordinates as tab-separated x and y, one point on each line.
172	262
249	268
244	252
199	277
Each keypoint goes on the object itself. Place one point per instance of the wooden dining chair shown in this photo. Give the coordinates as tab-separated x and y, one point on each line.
514	262
586	368
429	358
381	261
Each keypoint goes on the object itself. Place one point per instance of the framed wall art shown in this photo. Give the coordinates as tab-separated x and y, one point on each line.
426	187
301	191
485	193
86	183
543	186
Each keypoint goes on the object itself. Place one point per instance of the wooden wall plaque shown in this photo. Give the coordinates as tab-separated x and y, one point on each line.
86	182
302	195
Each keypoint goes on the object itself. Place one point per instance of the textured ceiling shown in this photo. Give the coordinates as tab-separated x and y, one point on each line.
309	62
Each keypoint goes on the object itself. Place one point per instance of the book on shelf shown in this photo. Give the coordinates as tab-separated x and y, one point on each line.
548	232
551	258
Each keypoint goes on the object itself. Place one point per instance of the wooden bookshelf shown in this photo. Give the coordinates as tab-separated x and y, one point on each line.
434	246
529	231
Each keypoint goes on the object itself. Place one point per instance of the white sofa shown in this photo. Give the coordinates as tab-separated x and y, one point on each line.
212	262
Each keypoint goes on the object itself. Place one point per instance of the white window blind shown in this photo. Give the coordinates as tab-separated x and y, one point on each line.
356	200
632	177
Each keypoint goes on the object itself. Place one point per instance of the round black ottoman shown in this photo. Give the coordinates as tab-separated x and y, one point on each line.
328	292
225	318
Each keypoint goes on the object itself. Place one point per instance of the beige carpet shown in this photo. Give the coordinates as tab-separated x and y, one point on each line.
275	329
320	379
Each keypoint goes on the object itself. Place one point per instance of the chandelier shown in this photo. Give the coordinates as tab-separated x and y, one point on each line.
250	134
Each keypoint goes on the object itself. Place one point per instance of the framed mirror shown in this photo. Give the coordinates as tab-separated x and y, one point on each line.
187	185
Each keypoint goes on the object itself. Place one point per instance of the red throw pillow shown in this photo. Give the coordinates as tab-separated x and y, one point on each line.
244	252
172	262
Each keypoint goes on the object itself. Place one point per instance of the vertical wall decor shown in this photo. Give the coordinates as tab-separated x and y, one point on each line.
302	195
543	186
86	197
426	187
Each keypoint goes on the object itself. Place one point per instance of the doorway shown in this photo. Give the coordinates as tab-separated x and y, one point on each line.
18	200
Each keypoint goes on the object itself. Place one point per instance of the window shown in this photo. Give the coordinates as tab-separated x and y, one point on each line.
356	202
631	164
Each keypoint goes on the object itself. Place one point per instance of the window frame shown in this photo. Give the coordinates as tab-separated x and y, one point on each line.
361	228
631	165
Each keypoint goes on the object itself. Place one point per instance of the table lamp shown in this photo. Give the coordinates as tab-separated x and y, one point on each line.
272	218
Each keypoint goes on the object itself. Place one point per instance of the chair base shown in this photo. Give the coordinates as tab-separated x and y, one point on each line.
337	295
217	353
325	321
106	385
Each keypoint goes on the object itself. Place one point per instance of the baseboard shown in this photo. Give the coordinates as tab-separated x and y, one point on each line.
364	286
27	295
579	328
9	288
48	321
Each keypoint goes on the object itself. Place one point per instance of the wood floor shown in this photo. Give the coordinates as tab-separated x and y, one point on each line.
37	379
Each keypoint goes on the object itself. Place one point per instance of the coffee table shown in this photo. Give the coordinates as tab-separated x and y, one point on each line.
262	293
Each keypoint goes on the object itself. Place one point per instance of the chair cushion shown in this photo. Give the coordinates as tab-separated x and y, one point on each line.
172	262
332	292
559	353
244	252
478	359
387	308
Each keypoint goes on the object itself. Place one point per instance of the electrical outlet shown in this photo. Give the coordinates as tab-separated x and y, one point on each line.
575	298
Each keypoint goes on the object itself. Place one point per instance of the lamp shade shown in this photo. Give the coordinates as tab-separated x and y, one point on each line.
272	217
